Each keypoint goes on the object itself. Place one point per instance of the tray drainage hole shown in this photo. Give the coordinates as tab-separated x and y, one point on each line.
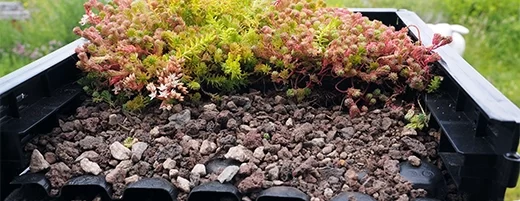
513	156
210	196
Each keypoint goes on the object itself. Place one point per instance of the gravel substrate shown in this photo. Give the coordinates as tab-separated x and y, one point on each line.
321	151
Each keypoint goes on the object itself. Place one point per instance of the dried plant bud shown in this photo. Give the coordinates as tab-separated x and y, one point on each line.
373	101
354	111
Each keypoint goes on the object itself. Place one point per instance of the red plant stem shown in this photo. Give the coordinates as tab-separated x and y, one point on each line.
309	84
366	89
336	86
418	32
297	81
356	102
321	79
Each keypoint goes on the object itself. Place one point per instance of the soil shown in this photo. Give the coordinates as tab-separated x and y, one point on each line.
273	141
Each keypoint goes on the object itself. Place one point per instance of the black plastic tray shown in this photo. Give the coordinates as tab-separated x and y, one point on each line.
480	126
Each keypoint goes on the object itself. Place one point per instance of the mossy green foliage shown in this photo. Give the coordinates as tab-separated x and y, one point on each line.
417	119
435	83
129	141
138	103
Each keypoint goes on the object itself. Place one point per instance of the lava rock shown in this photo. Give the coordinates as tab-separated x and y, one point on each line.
90	142
180	119
251	183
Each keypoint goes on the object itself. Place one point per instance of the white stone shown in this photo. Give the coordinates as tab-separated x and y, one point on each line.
169	164
328	193
228	173
115	175
194	144
119	151
173	173
273	173
329	148
289	122
183	184
163	140
125	165
113	119
38	162
319	142
259	153
155	131
239	153
199	169
210	107
207	147
90	167
131	179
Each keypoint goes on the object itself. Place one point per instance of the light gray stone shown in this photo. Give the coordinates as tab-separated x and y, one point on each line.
38	162
119	151
183	184
259	153
179	120
88	154
155	131
199	169
131	179
125	165
169	164
228	173
90	167
138	149
207	147
239	153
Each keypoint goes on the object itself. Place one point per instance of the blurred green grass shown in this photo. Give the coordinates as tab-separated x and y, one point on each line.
49	27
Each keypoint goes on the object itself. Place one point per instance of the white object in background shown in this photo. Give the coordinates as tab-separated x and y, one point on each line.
455	31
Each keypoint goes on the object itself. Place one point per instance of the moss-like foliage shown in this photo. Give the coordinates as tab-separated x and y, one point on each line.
172	49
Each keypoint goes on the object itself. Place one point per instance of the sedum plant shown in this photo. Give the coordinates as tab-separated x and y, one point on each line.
306	42
165	48
170	49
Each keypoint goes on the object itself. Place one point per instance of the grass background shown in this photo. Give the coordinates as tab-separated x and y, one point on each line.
492	46
49	28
